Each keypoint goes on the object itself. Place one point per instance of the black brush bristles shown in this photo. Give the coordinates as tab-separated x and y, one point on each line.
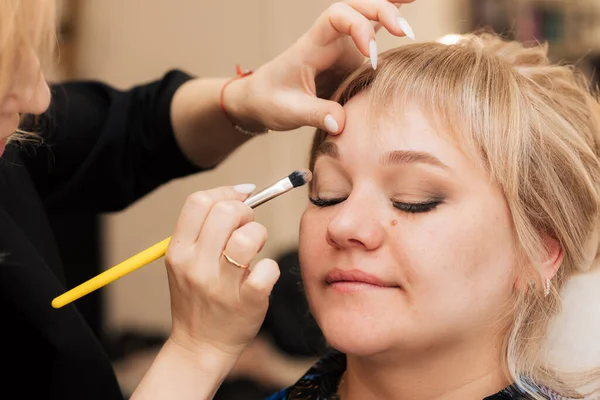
300	177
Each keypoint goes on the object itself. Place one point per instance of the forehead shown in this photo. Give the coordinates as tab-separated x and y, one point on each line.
368	136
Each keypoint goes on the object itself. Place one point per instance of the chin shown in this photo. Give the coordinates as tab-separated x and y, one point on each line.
357	334
358	347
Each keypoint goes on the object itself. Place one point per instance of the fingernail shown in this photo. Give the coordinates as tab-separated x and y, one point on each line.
330	124
245	188
406	28
373	53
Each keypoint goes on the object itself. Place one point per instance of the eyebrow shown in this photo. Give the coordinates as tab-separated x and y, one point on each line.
328	149
395	157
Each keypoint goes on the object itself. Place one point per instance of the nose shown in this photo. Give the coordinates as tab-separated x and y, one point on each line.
29	93
34	97
357	223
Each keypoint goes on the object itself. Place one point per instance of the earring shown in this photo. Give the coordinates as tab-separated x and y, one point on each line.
547	287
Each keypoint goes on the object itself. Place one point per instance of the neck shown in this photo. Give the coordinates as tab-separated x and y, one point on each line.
464	372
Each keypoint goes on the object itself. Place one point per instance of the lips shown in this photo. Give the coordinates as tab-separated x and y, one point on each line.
356	276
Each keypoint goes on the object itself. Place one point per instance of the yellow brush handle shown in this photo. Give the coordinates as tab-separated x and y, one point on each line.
110	275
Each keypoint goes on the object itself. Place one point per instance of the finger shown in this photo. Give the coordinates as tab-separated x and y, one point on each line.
386	13
376	26
198	205
347	21
258	285
245	243
224	217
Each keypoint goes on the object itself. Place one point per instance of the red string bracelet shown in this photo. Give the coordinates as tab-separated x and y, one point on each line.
240	74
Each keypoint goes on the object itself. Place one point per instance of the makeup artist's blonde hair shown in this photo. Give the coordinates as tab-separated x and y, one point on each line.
535	127
25	25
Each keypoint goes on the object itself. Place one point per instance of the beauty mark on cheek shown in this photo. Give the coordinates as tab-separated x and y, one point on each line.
394	222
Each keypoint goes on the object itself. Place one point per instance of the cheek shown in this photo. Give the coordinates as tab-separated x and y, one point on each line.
312	245
490	253
460	252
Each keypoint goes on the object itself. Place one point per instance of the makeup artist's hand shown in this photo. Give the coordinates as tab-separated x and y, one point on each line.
217	307
288	92
215	304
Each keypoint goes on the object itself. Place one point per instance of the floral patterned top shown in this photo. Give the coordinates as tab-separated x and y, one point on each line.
322	380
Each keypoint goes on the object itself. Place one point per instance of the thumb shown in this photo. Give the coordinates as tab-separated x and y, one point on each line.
324	114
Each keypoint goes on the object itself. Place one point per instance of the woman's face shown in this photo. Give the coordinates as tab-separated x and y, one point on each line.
408	244
27	94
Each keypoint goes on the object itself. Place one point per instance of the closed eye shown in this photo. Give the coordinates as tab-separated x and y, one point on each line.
317	201
416	207
402	206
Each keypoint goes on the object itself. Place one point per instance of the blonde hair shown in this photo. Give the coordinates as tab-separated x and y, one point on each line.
25	26
535	128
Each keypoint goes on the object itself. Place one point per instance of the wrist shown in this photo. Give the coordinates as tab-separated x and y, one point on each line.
205	359
177	372
238	105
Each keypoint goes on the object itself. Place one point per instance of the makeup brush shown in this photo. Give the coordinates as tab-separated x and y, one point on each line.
295	179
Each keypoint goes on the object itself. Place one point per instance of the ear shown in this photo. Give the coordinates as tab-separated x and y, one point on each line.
550	262
552	259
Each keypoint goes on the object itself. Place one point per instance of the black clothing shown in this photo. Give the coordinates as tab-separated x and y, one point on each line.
321	382
103	149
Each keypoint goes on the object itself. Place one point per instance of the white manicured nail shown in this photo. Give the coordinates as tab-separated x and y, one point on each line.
330	124
406	28
245	188
373	53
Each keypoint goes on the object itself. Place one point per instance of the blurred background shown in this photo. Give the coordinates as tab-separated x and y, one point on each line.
125	43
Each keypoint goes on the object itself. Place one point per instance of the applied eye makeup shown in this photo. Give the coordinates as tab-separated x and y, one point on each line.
413	181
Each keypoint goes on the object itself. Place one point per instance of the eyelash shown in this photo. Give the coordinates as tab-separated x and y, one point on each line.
416	207
413	208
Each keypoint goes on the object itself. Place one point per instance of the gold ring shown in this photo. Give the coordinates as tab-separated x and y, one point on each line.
232	261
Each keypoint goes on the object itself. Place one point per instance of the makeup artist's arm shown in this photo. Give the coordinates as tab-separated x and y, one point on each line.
203	132
104	147
263	363
177	373
183	374
287	92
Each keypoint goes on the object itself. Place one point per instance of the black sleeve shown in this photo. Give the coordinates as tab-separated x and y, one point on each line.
105	148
